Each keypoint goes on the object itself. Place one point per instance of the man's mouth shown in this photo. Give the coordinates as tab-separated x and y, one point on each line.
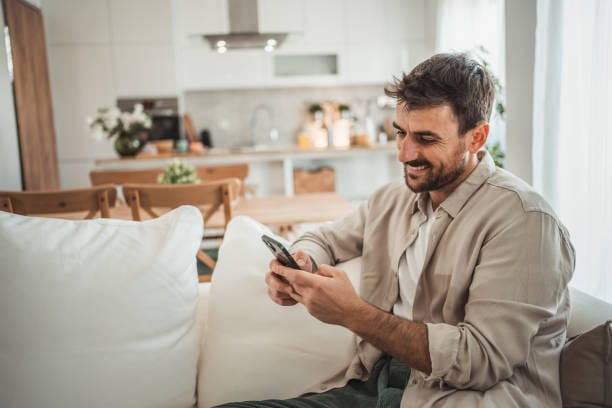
417	166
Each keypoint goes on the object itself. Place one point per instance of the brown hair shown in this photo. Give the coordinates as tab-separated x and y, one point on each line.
454	79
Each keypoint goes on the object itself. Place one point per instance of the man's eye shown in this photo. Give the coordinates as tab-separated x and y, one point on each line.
400	133
426	139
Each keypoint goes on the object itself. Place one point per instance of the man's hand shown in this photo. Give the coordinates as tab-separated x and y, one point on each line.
328	295
279	290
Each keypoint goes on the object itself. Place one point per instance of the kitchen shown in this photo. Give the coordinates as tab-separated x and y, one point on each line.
340	51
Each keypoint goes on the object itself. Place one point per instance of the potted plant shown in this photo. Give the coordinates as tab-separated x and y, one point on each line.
178	172
127	126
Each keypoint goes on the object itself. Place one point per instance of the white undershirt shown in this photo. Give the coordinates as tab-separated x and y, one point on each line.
410	267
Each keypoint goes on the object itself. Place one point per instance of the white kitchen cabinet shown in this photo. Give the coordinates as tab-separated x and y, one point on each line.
144	70
141	21
369	40
202	69
76	22
195	17
280	16
365	23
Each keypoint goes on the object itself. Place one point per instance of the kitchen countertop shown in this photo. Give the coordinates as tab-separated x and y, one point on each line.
241	155
219	156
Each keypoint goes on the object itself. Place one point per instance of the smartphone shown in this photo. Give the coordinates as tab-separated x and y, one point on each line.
280	252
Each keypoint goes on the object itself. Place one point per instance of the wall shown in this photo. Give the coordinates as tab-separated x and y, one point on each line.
230	115
10	165
520	60
99	51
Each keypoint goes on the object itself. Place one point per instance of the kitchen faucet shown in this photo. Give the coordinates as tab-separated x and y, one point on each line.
263	133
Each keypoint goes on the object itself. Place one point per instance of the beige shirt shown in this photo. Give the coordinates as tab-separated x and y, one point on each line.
493	290
411	265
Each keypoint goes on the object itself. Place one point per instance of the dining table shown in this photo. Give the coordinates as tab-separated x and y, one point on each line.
281	213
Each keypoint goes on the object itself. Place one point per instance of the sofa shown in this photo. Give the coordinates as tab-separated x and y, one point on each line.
110	313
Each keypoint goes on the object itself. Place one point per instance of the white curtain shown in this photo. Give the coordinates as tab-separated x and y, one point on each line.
466	25
572	138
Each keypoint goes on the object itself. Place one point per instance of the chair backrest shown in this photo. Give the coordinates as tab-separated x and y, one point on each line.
205	173
209	196
92	199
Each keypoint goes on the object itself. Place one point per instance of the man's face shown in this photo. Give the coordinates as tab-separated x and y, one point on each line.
430	147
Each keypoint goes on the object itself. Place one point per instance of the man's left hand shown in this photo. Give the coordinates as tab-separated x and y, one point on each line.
328	295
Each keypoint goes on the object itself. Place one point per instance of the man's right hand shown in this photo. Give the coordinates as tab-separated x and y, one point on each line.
279	290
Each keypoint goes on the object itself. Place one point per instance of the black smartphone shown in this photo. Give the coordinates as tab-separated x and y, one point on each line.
280	252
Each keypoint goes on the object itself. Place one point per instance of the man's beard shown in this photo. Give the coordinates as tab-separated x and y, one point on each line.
435	179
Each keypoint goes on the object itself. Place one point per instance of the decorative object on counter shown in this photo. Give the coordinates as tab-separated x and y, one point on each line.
328	123
182	146
163	146
130	128
196	147
178	172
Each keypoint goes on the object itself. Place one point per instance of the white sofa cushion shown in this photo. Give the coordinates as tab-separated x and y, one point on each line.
256	349
99	313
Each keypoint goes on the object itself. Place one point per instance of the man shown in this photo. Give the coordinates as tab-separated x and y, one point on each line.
464	273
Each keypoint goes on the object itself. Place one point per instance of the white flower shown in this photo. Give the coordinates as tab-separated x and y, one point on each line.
111	121
97	132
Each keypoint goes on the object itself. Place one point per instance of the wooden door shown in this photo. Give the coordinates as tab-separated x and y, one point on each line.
32	92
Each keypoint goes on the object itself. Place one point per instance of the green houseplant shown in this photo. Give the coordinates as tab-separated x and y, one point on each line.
178	172
494	149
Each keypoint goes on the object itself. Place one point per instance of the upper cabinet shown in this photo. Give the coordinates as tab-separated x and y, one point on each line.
330	42
280	16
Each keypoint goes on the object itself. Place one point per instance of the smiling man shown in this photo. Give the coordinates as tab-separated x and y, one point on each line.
464	276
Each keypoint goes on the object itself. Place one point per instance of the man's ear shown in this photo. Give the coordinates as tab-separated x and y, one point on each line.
479	137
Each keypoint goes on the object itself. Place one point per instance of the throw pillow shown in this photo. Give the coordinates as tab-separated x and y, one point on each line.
586	369
99	313
256	349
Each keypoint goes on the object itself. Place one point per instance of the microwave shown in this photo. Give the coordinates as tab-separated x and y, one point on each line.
165	118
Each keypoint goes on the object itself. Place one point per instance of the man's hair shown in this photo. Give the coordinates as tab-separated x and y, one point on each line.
454	79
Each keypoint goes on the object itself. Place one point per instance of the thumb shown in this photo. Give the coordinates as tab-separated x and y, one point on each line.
303	260
326	270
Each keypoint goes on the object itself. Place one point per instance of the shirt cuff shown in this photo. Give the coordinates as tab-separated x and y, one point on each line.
443	346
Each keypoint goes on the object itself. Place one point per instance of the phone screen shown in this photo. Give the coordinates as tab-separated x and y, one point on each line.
280	252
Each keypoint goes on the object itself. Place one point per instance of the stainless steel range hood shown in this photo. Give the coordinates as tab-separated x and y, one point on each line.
244	30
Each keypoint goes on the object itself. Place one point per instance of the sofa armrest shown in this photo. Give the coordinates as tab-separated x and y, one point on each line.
586	313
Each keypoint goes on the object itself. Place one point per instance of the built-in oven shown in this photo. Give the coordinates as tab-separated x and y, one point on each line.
164	114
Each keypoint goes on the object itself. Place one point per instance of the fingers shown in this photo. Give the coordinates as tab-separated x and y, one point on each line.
293	276
303	260
328	271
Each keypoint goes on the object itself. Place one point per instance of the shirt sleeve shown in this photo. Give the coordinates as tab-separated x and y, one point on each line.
336	241
519	282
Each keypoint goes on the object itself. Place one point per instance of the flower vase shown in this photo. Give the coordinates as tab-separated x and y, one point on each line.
127	144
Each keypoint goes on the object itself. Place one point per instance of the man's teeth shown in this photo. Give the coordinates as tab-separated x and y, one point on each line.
418	167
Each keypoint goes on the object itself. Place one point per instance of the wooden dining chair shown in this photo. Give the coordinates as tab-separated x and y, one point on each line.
92	200
209	197
205	173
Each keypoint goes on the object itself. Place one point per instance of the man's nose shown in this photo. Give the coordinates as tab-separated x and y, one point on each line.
407	149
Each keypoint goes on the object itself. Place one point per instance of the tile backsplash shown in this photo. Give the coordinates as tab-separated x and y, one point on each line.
235	117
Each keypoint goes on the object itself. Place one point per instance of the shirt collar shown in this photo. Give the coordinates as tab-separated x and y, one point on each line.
457	199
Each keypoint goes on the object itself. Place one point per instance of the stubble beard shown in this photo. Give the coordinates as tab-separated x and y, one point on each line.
435	180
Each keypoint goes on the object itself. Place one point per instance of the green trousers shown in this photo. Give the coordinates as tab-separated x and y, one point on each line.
383	389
